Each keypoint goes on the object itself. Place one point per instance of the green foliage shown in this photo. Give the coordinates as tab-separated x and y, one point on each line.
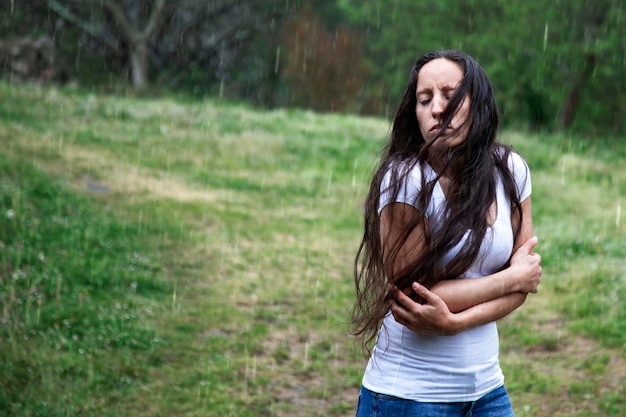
556	65
24	19
535	53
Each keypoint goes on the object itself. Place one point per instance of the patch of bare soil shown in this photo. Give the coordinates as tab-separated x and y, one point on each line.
573	373
299	390
564	359
577	371
117	177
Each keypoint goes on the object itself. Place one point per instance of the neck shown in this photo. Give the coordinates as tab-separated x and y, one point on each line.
439	161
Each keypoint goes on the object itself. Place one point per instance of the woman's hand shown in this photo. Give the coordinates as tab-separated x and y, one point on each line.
527	266
432	317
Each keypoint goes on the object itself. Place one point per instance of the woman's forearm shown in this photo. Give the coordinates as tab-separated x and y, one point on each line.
486	312
434	316
461	294
522	275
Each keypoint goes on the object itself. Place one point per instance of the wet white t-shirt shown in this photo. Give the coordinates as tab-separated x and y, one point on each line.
463	367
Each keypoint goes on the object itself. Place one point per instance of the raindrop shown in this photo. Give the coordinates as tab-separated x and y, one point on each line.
305	363
277	61
174	298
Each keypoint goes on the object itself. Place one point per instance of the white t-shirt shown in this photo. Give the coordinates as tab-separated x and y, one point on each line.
463	367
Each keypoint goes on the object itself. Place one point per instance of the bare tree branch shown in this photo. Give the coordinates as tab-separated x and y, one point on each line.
176	33
67	14
130	33
117	12
155	17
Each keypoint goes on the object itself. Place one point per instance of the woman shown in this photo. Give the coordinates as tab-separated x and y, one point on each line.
447	250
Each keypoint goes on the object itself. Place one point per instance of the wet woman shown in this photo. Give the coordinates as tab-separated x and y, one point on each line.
447	249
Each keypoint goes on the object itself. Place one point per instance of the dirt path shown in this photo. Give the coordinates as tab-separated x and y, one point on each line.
585	371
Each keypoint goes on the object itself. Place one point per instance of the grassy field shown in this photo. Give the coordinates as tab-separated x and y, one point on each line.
160	257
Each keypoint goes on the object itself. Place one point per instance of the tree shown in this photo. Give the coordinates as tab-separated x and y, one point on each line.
135	25
549	61
137	37
325	68
155	33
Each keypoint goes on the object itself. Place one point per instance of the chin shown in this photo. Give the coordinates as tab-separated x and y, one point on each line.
447	141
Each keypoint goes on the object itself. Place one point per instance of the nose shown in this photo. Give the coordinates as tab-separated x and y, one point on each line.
439	105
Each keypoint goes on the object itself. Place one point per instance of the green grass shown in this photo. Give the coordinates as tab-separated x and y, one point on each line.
79	290
166	258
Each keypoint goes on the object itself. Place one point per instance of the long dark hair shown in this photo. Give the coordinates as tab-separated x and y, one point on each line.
472	165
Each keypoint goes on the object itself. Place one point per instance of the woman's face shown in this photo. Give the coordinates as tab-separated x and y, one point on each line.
436	83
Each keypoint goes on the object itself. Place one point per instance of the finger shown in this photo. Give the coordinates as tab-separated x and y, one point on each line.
398	313
402	299
530	244
429	296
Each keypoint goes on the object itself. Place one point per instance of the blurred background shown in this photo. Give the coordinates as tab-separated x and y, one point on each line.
181	186
556	65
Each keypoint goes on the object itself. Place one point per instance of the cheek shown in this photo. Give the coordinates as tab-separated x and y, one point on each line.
464	111
421	115
419	118
423	128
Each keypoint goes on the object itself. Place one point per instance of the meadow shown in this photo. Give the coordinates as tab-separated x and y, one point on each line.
168	257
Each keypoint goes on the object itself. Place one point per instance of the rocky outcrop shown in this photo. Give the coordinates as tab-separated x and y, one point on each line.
26	59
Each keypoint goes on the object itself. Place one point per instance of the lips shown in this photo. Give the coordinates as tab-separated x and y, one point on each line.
435	128
438	129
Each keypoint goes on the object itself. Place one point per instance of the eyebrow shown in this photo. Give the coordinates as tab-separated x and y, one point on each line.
430	90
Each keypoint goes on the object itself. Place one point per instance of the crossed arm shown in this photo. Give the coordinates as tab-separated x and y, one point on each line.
454	305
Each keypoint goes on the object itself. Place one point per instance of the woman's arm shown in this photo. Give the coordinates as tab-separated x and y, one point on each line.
522	274
435	316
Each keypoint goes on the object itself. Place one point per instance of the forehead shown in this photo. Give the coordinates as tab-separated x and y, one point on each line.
439	74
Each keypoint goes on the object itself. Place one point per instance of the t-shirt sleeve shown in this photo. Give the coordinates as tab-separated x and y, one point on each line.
407	193
521	173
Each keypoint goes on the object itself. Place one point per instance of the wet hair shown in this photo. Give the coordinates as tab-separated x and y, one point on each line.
473	166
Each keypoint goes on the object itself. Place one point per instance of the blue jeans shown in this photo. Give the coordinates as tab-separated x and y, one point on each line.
494	404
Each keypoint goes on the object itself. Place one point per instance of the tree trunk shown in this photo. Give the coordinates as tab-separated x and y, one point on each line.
573	98
139	64
137	38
